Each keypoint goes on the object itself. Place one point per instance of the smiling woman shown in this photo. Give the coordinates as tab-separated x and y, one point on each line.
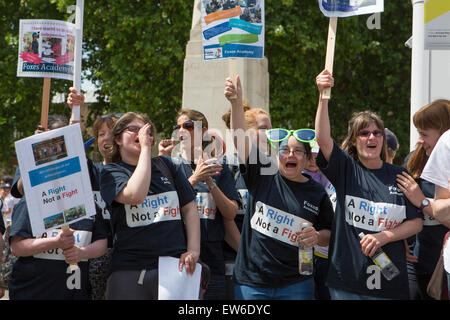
362	179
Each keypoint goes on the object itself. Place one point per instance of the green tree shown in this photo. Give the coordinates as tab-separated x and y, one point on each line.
134	53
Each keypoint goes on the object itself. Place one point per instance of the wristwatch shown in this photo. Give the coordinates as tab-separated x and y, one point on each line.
425	202
210	188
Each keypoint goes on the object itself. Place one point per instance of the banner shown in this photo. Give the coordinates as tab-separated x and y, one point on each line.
348	8
55	178
437	24
232	29
46	49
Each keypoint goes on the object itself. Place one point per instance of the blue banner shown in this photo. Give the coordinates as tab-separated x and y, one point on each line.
54	171
214	31
246	26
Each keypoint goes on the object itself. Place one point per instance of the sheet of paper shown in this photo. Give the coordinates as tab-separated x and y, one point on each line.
176	285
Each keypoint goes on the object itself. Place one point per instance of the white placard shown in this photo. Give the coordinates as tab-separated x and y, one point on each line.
437	24
232	29
46	49
348	8
55	177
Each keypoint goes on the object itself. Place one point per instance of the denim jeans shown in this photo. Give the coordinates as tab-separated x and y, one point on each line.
303	290
338	294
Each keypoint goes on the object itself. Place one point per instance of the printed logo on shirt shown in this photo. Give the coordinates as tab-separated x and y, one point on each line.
165	180
310	207
331	191
205	205
82	239
155	208
276	223
395	191
102	204
373	216
243	200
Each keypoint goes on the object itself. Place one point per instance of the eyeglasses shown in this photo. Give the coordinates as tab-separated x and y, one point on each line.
286	152
185	125
367	133
135	129
302	135
115	115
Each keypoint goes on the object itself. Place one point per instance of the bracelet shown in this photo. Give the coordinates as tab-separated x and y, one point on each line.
212	187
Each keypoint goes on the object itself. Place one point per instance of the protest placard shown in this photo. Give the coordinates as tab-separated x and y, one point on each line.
232	29
55	178
46	49
437	24
348	8
343	8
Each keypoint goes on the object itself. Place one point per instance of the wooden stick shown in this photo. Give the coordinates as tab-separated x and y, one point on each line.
232	73
330	53
45	102
72	266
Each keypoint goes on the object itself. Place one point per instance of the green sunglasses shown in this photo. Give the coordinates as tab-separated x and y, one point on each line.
302	135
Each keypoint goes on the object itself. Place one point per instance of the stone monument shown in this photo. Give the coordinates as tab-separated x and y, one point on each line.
204	81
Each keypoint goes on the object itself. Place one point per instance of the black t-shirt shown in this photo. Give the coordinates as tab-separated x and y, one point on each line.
368	201
2	226
211	221
154	228
46	275
95	169
268	250
241	188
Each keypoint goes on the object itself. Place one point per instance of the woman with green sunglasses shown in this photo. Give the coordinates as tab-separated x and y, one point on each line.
279	202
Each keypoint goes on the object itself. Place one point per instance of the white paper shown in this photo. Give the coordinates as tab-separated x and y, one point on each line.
176	285
55	177
437	25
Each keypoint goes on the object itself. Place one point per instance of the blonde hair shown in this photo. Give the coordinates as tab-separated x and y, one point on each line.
435	115
359	121
250	115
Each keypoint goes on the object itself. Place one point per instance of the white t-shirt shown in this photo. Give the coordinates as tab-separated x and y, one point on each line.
437	171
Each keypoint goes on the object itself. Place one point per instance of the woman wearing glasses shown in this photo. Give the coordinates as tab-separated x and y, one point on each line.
151	215
216	198
368	201
281	199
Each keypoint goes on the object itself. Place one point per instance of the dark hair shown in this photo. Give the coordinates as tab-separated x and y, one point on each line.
359	121
120	126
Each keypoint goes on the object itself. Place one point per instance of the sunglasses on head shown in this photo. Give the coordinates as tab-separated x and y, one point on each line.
115	115
302	135
367	133
185	125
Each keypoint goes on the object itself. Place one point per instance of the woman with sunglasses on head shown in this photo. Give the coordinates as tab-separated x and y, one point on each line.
368	202
152	209
216	195
281	200
258	121
431	122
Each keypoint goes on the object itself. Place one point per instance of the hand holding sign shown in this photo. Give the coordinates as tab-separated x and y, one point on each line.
324	80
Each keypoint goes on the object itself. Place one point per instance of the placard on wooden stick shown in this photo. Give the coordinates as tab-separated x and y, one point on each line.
330	52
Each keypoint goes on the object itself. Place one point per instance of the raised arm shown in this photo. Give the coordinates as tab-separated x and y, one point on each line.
137	187
322	123
237	123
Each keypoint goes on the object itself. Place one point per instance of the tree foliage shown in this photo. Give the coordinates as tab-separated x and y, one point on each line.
134	52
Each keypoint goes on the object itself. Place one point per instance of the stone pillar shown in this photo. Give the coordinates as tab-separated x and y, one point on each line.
204	81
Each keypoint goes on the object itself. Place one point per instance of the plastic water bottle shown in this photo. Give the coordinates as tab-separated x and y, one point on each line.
388	269
305	257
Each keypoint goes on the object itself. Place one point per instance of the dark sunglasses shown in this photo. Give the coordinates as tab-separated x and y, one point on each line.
135	129
185	125
367	133
115	115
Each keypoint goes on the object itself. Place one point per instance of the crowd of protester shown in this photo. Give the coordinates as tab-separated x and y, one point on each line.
239	214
